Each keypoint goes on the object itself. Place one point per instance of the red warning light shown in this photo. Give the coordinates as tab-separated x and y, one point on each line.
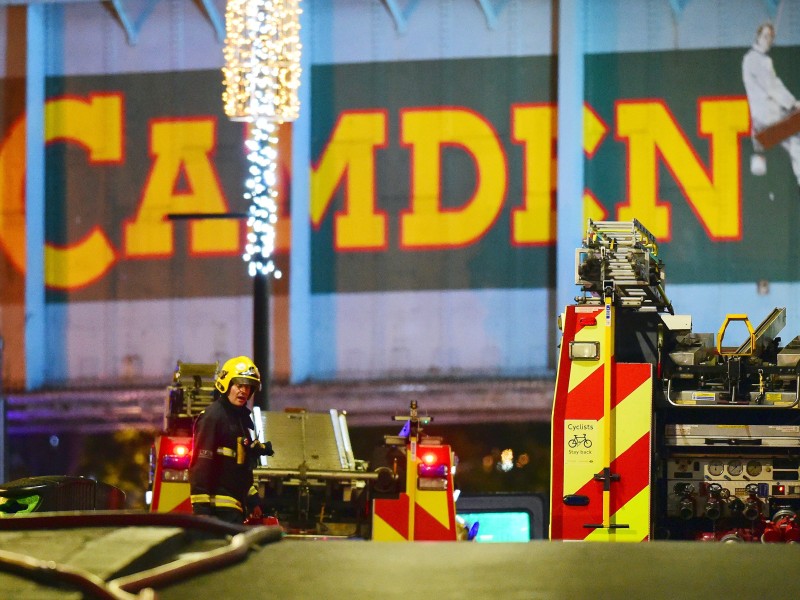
180	450
429	458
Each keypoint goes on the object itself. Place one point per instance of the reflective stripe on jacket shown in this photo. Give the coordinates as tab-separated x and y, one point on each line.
217	501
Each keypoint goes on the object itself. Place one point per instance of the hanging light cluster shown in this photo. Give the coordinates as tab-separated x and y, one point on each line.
262	59
262	77
262	216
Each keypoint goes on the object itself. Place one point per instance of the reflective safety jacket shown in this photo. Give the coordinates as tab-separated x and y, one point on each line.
220	472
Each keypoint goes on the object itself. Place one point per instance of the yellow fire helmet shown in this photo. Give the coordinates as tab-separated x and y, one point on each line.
239	369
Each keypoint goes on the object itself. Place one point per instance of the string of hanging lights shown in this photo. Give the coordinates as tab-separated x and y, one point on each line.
262	77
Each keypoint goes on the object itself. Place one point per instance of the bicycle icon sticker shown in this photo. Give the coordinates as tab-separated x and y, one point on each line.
579	440
581	437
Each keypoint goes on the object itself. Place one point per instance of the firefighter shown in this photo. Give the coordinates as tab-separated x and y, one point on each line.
224	455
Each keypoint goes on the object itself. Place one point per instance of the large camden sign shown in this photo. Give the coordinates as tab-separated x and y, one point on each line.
424	175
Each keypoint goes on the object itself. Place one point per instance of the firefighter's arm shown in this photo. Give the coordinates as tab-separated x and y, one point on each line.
255	450
259	448
203	472
256	447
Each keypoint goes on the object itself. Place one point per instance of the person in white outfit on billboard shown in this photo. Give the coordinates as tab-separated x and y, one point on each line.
768	99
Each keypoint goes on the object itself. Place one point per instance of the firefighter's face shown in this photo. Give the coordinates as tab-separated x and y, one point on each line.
239	393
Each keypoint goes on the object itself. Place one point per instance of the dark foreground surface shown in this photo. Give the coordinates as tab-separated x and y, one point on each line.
537	570
178	560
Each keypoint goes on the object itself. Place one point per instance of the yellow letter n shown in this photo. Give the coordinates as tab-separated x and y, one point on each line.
714	194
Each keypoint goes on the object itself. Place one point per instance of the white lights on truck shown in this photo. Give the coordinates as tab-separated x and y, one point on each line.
584	350
179	475
438	484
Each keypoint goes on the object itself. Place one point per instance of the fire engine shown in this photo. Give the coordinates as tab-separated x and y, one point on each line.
313	485
659	432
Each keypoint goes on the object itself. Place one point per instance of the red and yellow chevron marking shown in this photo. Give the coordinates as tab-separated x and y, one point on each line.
169	496
585	439
172	497
417	514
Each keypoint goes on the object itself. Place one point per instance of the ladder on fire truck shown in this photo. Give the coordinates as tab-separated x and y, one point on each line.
620	258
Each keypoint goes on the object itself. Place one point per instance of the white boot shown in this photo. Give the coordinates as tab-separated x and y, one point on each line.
758	165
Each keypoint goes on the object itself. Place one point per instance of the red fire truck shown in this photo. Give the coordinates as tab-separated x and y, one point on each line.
659	432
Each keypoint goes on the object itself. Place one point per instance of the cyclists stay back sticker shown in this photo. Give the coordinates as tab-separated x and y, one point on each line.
583	450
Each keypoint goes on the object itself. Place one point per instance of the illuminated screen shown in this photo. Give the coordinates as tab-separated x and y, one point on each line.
505	526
